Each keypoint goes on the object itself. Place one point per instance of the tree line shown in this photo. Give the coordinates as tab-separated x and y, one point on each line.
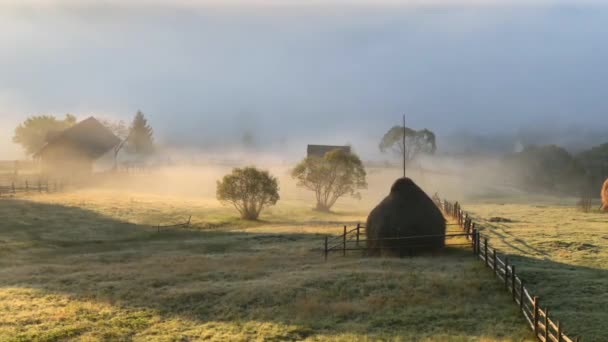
338	173
136	138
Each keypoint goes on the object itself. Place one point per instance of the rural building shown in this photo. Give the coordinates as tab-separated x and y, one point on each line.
320	150
73	151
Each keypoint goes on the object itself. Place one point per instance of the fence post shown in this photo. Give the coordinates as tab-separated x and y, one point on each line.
547	324
478	237
474	239
507	273
494	261
358	227
521	295
344	242
13	187
513	282
473	228
559	331
535	316
485	247
27	187
325	248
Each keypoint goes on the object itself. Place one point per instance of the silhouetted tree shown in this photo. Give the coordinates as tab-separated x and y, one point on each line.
337	174
249	190
35	131
140	139
120	129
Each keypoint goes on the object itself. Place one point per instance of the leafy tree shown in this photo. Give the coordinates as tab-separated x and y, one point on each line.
140	139
337	174
416	142
249	190
35	131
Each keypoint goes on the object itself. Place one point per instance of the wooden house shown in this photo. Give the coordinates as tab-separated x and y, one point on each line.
72	152
321	150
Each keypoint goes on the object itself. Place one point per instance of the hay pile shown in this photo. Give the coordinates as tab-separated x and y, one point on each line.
406	211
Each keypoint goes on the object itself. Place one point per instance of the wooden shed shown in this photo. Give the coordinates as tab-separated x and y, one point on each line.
321	150
73	151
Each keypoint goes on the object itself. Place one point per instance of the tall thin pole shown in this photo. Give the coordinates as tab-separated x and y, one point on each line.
403	146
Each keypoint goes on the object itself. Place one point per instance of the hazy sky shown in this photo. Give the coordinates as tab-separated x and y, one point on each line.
329	72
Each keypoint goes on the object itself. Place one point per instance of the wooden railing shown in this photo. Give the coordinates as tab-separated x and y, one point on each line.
546	328
31	187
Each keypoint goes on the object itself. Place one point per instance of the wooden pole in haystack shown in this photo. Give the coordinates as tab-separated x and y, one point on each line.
403	146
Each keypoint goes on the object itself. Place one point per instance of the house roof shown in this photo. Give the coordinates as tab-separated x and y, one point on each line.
89	135
321	150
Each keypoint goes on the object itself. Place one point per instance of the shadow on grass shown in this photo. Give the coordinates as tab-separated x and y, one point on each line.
235	278
575	295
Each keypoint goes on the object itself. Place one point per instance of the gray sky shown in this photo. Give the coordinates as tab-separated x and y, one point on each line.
327	72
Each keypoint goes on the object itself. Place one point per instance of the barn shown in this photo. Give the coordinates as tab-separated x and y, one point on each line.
72	152
321	150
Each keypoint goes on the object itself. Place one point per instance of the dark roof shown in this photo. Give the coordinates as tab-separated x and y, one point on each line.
88	135
321	150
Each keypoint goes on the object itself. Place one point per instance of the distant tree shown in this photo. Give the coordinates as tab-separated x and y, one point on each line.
35	131
337	174
248	140
547	167
249	190
140	138
416	142
595	162
122	131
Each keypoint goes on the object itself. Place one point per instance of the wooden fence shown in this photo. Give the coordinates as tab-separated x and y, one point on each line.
546	328
38	186
178	225
354	240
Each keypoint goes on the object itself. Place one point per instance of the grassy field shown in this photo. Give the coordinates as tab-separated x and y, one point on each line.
561	252
88	266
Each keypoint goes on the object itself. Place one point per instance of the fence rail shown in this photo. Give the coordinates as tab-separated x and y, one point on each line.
546	328
178	225
31	187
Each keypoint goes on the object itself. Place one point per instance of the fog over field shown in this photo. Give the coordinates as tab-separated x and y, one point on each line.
295	72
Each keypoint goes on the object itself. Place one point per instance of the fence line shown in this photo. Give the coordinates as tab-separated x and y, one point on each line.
546	329
32	187
178	225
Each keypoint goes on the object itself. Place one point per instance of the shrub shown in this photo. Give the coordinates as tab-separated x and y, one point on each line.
249	190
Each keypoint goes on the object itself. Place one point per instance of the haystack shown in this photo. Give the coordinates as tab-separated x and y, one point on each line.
407	211
605	196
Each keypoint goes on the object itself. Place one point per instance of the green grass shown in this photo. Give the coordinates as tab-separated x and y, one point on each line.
562	253
88	266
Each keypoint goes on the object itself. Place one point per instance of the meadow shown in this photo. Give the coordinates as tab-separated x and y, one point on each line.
91	265
560	251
